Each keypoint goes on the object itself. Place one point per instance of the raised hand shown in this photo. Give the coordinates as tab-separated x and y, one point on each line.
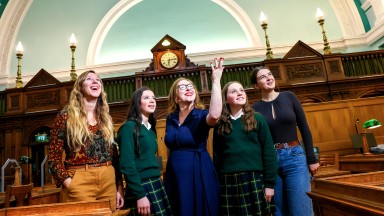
217	69
216	103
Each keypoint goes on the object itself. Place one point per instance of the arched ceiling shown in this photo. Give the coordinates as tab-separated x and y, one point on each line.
133	27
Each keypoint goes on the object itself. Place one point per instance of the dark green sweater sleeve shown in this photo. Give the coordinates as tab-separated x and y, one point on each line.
268	152
127	160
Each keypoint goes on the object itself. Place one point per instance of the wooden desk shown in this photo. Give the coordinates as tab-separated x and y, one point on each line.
349	195
357	163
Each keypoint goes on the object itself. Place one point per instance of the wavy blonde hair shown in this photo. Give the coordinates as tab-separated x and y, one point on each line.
172	97
248	119
77	123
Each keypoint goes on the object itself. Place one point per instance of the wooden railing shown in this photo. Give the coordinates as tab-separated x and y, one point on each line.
327	69
160	83
239	72
363	64
119	89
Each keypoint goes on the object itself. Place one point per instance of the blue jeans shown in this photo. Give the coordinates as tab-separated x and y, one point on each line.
293	183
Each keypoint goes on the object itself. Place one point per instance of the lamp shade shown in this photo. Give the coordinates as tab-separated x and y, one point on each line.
370	124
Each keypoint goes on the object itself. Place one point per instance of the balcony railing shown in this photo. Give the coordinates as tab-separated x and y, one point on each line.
333	67
363	64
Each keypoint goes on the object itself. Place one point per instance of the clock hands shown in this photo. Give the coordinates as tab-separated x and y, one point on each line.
169	60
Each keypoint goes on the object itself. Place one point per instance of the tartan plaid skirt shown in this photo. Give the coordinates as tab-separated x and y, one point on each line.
156	195
243	194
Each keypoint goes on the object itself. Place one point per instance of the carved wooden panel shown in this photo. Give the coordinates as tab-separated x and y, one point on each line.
334	66
37	100
304	71
15	102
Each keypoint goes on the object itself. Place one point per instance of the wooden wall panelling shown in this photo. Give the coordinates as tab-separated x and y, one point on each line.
369	108
8	153
17	137
332	123
329	125
162	149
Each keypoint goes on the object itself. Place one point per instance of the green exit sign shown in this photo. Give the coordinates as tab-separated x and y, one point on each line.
41	138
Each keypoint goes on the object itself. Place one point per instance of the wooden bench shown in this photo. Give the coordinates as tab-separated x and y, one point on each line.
40	195
99	207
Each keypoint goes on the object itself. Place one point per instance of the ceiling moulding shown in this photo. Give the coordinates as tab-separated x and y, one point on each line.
10	22
242	19
122	6
375	33
104	26
348	17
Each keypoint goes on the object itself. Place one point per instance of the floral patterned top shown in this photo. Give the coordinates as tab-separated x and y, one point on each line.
90	153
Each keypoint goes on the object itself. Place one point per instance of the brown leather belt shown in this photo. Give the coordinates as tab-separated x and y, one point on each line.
287	145
88	166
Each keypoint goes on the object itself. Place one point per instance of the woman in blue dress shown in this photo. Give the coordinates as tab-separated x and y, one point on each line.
191	181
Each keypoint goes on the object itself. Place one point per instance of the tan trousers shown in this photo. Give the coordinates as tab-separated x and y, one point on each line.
92	184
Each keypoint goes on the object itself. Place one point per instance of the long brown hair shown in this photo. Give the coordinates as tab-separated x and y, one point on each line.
172	96
135	114
248	119
77	124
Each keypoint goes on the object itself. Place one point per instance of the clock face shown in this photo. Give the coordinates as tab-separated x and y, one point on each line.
169	60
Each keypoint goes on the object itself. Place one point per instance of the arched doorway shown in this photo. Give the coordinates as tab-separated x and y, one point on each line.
38	143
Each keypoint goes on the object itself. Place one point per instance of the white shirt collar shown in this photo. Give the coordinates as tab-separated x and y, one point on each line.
237	115
149	125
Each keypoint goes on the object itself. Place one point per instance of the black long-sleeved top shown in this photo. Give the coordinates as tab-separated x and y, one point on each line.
288	114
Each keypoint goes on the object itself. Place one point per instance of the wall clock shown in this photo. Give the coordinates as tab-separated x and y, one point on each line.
168	54
169	60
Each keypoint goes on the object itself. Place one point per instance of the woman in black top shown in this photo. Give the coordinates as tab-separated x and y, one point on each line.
283	113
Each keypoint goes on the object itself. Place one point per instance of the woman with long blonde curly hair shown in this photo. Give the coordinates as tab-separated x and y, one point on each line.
83	130
77	123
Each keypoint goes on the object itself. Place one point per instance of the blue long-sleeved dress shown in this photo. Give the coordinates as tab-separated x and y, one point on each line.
190	181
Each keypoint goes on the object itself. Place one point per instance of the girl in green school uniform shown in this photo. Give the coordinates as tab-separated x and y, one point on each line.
244	156
145	194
